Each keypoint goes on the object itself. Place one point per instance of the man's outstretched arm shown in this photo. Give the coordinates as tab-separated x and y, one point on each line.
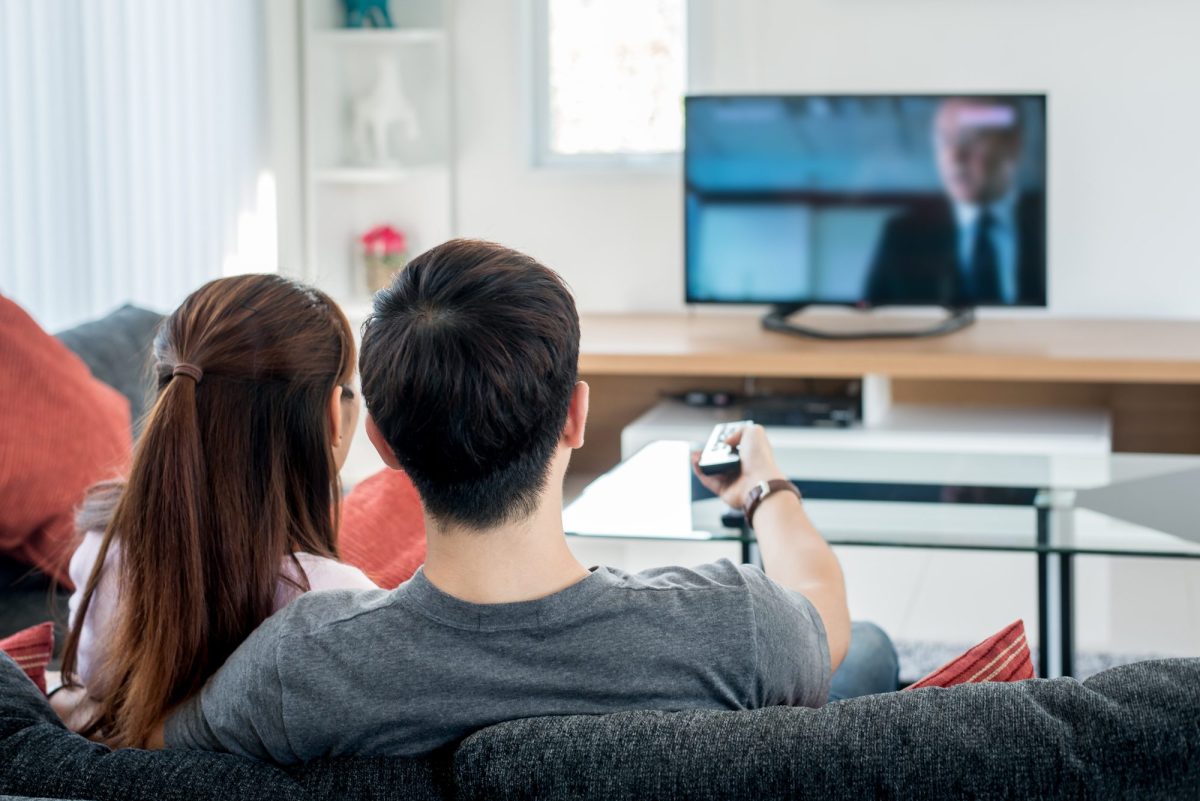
239	710
794	553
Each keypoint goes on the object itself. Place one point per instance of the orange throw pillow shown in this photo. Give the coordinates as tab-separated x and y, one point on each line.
63	432
31	650
1001	657
383	528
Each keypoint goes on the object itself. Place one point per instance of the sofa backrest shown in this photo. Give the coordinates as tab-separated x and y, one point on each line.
1130	732
39	757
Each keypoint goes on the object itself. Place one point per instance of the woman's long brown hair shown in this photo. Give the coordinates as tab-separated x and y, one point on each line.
231	475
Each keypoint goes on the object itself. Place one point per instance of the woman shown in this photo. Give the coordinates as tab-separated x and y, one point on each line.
231	506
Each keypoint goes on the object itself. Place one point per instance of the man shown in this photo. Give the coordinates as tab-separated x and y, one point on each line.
985	243
469	372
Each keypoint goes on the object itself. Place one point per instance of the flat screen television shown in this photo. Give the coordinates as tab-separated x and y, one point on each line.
866	200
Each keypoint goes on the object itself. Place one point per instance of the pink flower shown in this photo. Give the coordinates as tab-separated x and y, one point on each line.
384	240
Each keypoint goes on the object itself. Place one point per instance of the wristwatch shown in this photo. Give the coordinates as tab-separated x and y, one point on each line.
763	490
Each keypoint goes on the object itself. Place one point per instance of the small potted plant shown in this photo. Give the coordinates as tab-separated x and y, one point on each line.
384	251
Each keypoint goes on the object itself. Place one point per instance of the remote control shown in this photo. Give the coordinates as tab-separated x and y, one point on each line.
717	457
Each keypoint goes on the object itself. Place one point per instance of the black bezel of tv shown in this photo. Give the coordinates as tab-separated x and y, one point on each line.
863	303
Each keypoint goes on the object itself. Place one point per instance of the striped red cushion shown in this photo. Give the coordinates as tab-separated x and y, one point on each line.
31	650
1002	657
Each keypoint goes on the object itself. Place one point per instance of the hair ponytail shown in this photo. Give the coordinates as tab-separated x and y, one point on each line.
148	665
232	473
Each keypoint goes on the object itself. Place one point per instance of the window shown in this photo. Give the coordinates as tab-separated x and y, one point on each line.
131	158
610	78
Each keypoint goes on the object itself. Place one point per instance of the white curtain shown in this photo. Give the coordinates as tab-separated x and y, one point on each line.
131	147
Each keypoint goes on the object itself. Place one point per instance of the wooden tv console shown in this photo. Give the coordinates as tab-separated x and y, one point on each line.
1146	373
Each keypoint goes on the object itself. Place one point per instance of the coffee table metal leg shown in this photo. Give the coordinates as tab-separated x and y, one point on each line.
1043	593
1066	610
747	545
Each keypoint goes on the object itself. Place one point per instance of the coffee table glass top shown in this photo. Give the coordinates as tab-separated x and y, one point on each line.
1117	504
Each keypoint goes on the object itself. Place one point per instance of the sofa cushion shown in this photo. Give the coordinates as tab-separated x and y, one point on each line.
63	432
1130	732
383	528
116	348
1002	657
31	650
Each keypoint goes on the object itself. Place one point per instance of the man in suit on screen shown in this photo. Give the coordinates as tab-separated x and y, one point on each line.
984	242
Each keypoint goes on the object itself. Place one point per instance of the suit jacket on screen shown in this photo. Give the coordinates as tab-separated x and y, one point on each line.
916	260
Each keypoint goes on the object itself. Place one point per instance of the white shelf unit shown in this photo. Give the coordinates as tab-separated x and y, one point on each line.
344	197
361	37
912	428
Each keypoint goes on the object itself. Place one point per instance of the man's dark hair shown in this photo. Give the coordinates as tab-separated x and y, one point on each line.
468	363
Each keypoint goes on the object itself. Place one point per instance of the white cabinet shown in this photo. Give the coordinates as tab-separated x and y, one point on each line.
378	136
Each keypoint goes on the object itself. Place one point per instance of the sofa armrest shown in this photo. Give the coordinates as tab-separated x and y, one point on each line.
39	757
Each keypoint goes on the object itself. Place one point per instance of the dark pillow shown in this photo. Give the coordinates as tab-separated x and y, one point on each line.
116	348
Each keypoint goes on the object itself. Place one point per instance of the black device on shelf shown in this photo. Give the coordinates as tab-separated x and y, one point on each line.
866	201
804	411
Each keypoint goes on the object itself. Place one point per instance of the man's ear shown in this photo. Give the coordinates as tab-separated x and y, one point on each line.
577	412
381	446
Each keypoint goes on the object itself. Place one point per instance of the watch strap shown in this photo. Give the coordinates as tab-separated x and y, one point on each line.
763	490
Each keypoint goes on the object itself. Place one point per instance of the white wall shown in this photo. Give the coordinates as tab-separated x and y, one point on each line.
1123	79
615	236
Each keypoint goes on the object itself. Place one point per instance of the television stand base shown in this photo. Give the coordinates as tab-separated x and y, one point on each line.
778	320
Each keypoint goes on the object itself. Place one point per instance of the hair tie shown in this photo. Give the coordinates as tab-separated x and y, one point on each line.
190	370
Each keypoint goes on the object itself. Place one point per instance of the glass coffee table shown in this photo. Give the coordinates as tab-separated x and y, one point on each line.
1055	507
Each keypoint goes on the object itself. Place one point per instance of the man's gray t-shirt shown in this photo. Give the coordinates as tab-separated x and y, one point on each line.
403	672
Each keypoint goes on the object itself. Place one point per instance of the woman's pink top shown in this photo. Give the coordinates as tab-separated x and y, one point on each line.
322	574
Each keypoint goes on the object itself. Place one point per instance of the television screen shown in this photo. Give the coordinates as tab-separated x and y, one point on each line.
866	200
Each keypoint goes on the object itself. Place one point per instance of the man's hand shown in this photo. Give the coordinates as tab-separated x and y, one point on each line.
758	464
794	554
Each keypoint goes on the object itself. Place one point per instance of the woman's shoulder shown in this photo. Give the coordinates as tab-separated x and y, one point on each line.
324	573
319	573
85	556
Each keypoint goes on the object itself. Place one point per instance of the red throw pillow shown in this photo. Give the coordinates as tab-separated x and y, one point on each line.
1001	657
383	528
63	432
31	650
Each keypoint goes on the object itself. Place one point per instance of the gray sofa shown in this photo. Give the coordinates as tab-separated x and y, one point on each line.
1131	732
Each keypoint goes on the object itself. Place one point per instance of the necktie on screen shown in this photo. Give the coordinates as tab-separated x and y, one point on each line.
985	262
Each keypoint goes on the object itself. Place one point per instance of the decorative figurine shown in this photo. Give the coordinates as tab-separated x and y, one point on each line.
375	113
367	14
